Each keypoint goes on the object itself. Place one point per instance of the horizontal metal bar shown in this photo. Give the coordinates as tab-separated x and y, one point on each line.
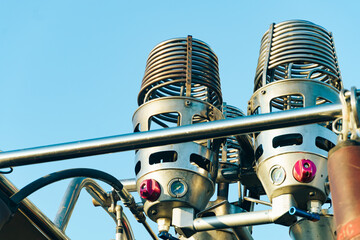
132	141
129	184
232	220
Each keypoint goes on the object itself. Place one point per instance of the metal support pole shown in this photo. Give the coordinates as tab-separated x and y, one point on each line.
132	141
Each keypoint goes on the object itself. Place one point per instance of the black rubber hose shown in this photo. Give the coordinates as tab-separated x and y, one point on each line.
68	173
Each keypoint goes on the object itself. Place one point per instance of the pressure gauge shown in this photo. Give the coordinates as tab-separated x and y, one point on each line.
177	188
277	175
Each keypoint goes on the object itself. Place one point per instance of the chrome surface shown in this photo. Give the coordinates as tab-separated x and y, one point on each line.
130	203
181	115
249	199
233	220
278	214
133	141
297	68
320	230
101	197
184	150
168	73
71	196
181	86
129	184
297	49
237	150
193	162
161	207
221	208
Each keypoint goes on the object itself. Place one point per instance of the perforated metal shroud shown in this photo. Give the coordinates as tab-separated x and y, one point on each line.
297	68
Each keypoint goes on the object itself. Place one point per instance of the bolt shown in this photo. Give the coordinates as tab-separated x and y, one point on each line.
187	103
263	91
153	212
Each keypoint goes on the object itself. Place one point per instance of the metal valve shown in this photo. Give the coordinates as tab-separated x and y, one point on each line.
150	190
304	170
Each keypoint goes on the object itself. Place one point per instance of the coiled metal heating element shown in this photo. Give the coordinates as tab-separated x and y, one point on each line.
181	86
230	152
182	67
297	68
297	49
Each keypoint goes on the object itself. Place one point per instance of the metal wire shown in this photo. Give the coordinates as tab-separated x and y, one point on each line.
297	49
167	67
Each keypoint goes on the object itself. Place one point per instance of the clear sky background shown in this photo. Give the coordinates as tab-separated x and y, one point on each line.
71	70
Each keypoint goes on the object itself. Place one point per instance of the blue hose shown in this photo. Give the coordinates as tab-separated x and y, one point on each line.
301	213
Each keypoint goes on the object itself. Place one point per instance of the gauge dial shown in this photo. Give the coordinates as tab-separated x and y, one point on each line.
177	188
277	175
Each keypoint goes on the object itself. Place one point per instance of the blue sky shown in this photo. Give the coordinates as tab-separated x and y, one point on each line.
71	70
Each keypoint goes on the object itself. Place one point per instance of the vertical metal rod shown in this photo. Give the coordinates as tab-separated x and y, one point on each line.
188	66
223	191
266	64
119	226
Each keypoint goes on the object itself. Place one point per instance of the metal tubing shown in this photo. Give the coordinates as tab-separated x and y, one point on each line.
129	184
149	230
301	213
132	141
250	199
233	220
71	196
129	202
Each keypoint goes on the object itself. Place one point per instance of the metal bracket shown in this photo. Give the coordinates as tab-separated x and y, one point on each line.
350	118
